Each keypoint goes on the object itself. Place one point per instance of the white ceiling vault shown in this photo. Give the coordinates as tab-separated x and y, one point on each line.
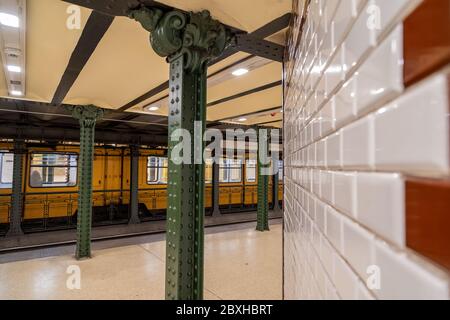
122	67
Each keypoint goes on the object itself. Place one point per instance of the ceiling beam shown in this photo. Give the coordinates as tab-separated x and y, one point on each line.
93	32
165	86
52	112
259	47
265	31
265	123
246	93
249	114
13	130
145	96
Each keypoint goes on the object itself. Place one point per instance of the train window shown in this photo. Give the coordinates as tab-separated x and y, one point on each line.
208	171
6	170
250	171
157	170
280	170
53	170
230	171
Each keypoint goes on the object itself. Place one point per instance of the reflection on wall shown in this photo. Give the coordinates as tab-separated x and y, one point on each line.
367	162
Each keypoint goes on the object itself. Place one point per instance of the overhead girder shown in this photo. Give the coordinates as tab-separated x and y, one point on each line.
249	43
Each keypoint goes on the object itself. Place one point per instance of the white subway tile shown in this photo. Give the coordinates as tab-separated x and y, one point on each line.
346	280
342	21
321	216
384	12
358	247
360	39
345	192
380	205
334	150
334	228
363	293
412	134
327	257
356	146
326	181
321	153
381	75
402	278
327	117
345	108
335	71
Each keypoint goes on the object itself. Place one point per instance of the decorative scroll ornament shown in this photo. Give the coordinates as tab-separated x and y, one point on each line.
195	35
87	115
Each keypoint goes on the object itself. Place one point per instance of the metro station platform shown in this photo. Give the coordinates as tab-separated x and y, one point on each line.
240	264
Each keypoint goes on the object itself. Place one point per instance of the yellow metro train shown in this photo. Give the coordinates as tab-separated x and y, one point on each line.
50	190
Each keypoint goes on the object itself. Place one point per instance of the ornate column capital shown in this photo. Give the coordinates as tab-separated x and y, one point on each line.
196	36
87	115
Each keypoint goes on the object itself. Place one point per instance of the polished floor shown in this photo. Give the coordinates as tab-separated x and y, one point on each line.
240	263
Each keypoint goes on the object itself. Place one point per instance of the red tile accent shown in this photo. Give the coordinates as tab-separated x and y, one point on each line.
426	40
428	219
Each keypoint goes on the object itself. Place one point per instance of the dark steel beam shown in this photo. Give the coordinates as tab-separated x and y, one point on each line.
249	114
16	130
145	96
93	32
265	31
246	93
268	122
259	47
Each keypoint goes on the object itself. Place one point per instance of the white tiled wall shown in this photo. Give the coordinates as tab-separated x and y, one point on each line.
352	133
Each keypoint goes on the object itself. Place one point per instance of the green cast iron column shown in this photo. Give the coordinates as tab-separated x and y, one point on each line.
263	184
215	190
87	116
276	185
15	228
188	41
184	269
134	185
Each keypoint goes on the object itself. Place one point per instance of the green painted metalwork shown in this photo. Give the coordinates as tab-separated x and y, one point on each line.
134	185
87	116
185	212
15	228
263	184
189	41
196	36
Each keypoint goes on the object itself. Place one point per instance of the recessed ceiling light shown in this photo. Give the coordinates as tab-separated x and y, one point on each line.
16	69
239	72
9	20
16	92
154	108
242	119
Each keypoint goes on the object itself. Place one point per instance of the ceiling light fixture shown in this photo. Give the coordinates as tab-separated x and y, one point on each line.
15	69
242	119
154	108
239	72
9	20
16	93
